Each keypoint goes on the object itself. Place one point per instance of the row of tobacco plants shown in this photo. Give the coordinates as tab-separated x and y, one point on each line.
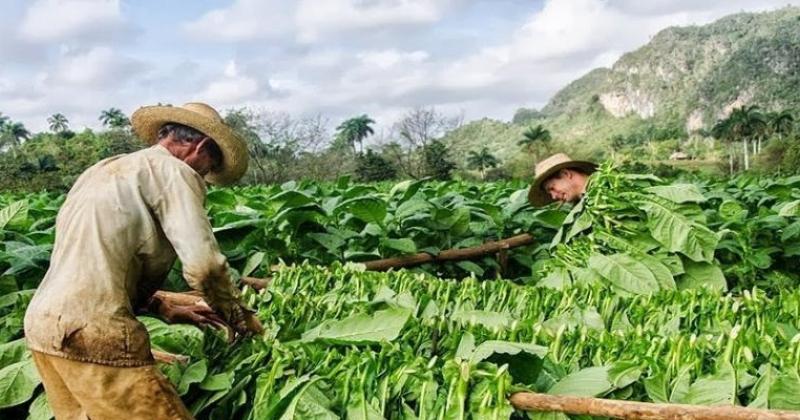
646	290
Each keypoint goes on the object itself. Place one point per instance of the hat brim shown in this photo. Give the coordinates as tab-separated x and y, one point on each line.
539	197
146	122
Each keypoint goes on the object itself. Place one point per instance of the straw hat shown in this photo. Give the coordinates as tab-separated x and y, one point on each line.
147	120
549	167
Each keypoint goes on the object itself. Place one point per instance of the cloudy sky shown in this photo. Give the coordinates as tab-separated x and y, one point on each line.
335	57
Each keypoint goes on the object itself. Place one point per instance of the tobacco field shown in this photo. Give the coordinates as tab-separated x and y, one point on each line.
650	290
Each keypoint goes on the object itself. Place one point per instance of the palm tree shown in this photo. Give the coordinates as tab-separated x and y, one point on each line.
747	123
781	123
534	135
12	135
58	123
722	131
481	161
114	118
355	130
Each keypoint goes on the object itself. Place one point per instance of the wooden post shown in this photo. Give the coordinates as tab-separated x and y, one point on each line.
451	254
531	401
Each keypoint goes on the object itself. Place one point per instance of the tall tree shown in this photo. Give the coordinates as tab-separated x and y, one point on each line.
747	123
114	118
723	132
58	123
482	161
781	123
533	137
354	130
3	120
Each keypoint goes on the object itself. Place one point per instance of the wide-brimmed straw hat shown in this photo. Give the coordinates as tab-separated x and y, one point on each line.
549	167
147	120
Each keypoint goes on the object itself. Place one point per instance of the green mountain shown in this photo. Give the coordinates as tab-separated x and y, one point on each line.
685	78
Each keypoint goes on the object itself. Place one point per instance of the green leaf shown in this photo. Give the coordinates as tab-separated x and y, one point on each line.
678	193
718	389
471	267
761	390
656	388
411	207
219	382
702	274
587	382
13	352
384	325
253	262
624	272
40	409
404	245
11	212
679	234
331	242
661	272
17	383
194	373
524	360
489	319
790	209
368	209
784	392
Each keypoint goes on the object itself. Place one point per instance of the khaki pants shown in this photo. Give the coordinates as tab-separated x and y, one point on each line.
79	390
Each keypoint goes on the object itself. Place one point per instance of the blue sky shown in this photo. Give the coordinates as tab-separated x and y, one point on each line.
337	58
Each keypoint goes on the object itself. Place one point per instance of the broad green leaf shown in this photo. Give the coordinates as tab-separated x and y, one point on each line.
13	352
360	409
219	382
790	232
368	209
679	234
656	388
12	212
622	374
40	409
410	208
253	262
790	209
624	272
333	243
404	245
718	389
384	325
702	274
587	382
583	222
176	338
471	267
784	392
661	272
17	383
678	193
194	373
680	386
524	360
761	390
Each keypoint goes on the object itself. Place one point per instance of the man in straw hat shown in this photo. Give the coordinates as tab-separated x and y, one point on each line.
118	233
559	178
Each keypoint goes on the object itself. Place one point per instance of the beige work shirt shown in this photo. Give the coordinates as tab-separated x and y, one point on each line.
117	236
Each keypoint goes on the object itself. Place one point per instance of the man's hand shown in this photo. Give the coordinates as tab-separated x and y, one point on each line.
248	324
197	314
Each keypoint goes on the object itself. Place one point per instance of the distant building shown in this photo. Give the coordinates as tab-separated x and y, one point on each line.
679	156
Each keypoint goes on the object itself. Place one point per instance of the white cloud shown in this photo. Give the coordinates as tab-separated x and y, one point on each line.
390	58
317	17
231	88
244	20
55	20
309	20
96	68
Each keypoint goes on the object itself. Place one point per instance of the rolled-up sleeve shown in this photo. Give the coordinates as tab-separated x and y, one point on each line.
181	213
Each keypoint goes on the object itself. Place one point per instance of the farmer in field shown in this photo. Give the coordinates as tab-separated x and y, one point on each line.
117	235
559	178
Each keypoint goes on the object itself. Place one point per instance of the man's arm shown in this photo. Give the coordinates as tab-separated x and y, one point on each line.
183	218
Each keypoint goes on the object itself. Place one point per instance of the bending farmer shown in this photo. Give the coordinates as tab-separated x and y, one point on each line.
559	178
117	235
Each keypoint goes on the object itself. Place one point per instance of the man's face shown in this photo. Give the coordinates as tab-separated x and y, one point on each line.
566	186
199	157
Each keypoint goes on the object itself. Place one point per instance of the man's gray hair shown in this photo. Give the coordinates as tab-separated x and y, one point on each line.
181	132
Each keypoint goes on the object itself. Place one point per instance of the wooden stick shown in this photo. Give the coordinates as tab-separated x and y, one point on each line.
451	254
169	358
531	401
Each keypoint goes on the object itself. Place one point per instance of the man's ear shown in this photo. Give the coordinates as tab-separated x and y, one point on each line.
566	173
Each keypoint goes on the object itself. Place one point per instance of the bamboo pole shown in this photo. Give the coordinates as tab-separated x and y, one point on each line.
451	254
531	401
